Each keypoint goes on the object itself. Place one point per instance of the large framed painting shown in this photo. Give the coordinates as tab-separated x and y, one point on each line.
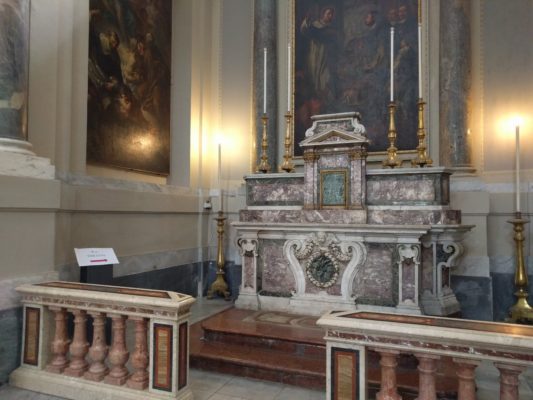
342	63
128	106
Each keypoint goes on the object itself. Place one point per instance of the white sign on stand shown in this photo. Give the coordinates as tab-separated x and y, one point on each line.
95	256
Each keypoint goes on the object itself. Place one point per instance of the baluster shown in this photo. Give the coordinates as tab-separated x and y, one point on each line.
79	346
98	351
509	380
139	358
426	377
466	372
388	362
118	355
60	342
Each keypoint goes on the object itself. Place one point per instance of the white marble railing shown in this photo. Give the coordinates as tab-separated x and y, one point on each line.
53	361
350	335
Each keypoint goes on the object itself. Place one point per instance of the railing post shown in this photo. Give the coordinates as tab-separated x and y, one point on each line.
60	343
139	358
388	362
426	377
79	346
466	372
118	355
509	380
98	351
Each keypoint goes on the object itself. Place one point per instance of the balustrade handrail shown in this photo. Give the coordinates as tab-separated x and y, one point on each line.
416	332
350	335
126	300
59	362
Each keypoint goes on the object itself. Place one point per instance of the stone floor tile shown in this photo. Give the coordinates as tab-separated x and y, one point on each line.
206	381
218	396
292	393
251	389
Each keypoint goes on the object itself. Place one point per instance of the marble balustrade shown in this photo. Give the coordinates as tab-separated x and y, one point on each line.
350	335
59	359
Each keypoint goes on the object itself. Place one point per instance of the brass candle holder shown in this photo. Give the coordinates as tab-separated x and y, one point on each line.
392	160
521	312
219	285
422	159
264	166
287	164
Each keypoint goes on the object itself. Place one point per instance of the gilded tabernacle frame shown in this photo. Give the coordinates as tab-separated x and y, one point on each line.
333	188
128	102
341	52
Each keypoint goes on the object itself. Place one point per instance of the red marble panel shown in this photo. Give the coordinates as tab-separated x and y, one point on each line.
31	335
183	355
162	370
344	374
107	289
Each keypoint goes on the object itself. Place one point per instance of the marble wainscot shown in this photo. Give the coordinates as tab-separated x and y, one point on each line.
339	236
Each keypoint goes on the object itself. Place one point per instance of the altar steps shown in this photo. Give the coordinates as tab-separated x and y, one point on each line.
288	349
237	342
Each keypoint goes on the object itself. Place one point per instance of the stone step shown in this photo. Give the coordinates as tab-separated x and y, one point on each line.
288	349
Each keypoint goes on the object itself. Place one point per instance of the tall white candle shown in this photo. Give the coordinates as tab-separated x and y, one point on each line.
220	176
419	60
264	80
517	166
289	77
392	64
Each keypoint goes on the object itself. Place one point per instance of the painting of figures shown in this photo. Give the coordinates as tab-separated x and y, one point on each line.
14	39
342	63
128	121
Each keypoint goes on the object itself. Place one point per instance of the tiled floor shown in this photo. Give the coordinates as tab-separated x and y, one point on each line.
207	386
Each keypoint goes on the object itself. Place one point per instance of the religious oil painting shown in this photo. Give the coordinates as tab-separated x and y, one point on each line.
14	39
332	188
343	63
128	121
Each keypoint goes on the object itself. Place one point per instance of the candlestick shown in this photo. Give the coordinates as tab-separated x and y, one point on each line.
419	60
287	164
264	80
517	166
264	166
392	160
219	286
521	311
392	64
289	78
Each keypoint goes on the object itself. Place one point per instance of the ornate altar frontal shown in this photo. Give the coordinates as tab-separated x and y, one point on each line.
339	237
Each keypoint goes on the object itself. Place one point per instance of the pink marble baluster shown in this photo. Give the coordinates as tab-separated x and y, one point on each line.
60	342
466	372
509	380
98	351
426	376
118	355
139	358
79	346
388	362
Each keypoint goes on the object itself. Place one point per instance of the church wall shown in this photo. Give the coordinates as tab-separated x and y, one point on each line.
157	225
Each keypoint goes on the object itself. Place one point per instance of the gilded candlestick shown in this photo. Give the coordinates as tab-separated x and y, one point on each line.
219	285
264	166
287	165
521	312
392	159
422	159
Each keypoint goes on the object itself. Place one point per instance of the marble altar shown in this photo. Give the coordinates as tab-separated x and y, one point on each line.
341	237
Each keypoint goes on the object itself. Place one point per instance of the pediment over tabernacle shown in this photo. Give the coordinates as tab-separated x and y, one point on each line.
334	136
335	129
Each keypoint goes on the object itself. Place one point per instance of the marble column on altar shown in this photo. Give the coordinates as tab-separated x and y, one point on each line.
265	36
16	152
455	85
